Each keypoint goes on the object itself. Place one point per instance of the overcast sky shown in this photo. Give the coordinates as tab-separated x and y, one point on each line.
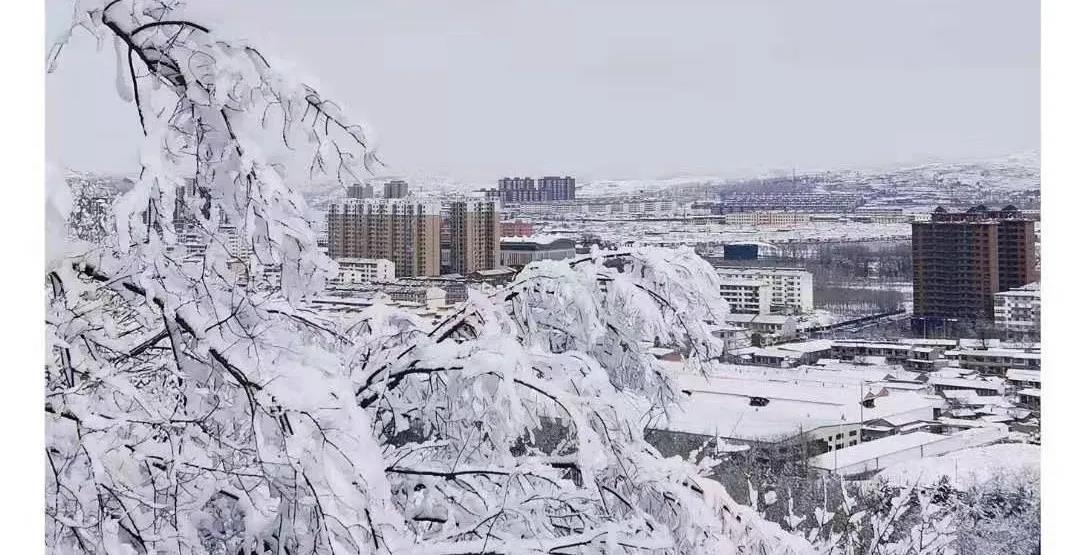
476	89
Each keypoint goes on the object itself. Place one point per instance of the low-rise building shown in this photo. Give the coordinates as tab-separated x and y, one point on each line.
820	410
766	219
995	362
894	353
520	251
778	325
734	337
364	270
1017	312
1031	398
1023	379
869	457
982	387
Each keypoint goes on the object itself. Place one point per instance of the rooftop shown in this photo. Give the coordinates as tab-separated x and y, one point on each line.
1018	375
720	405
760	318
871	450
807	346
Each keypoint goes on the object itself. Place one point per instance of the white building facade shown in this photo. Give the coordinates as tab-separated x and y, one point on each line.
746	296
365	270
792	289
1017	312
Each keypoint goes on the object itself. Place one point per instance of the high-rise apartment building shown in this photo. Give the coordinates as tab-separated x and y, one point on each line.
396	188
518	190
960	260
557	188
361	190
404	231
474	233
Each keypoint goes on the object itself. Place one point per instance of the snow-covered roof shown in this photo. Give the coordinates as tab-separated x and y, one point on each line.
659	351
1031	392
869	450
539	239
496	272
930	342
1017	375
899	386
1031	289
1004	353
718	406
772	352
760	318
814	346
870	345
967	467
967	383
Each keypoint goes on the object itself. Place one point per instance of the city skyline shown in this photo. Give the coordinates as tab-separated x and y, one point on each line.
694	89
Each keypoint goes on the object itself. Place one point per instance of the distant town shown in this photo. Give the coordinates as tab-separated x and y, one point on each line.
891	316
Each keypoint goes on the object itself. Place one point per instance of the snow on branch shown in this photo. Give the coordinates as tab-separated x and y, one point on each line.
189	413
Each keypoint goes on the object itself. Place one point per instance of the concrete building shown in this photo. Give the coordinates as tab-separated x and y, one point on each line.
960	260
831	202
607	208
746	296
516	190
553	188
1023	379
474	229
520	251
770	218
776	325
1017	312
365	270
761	406
871	456
360	191
893	353
792	289
395	188
404	231
982	387
994	362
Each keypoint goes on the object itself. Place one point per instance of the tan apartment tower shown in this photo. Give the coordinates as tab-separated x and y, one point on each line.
474	235
404	231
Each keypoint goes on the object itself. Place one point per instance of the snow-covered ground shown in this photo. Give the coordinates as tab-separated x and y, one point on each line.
968	466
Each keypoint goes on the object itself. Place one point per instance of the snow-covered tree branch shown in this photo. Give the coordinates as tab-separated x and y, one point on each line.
188	414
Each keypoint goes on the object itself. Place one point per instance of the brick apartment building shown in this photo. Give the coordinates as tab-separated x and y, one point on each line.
961	259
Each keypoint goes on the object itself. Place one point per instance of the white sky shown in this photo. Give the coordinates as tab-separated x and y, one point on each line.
476	89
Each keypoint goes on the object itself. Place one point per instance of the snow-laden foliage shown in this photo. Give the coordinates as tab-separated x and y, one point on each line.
186	414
